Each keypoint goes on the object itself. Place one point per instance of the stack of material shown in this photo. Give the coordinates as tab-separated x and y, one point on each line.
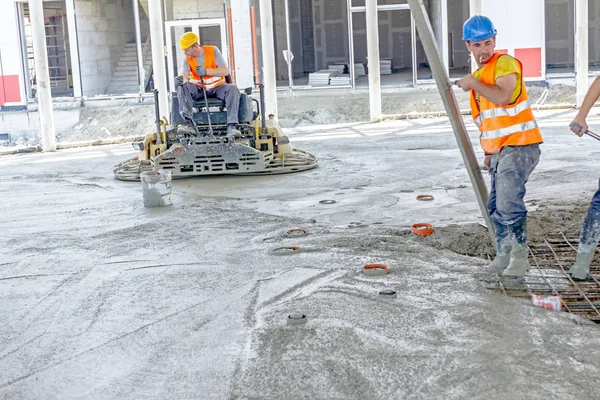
321	78
340	80
337	67
385	66
359	69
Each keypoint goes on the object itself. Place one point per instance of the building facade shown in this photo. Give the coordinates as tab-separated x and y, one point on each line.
102	48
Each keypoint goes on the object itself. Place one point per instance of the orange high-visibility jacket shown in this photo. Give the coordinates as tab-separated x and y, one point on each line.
511	125
210	82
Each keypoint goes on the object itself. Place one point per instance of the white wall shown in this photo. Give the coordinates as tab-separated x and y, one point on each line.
186	9
520	25
242	35
11	72
104	26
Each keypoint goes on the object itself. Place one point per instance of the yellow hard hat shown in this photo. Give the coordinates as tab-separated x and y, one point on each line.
188	40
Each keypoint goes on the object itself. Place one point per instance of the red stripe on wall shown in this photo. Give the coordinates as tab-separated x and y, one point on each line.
10	92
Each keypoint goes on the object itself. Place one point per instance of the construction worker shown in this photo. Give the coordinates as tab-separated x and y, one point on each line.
510	138
206	62
590	232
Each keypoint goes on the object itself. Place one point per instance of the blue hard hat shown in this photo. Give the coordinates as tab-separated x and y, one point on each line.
478	28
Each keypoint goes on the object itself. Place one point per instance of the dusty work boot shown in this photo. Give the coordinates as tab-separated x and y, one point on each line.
581	268
518	265
186	129
233	131
588	240
503	246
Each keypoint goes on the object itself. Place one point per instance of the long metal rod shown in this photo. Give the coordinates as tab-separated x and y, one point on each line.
138	47
289	43
231	45
254	47
351	70
413	48
451	104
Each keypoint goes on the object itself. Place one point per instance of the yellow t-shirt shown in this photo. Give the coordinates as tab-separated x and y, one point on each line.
506	65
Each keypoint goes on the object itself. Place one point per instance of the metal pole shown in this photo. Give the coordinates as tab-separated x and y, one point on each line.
268	57
450	103
44	91
373	60
581	49
158	54
444	33
475	8
138	47
254	47
351	69
74	49
289	43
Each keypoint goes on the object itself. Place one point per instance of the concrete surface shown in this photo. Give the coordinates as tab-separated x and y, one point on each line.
101	298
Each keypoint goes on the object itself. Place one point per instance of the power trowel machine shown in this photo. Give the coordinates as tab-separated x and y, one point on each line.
262	148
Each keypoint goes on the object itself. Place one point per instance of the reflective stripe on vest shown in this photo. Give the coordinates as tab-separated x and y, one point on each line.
210	82
512	125
502	112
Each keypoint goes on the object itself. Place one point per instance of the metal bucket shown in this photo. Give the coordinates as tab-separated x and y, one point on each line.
156	188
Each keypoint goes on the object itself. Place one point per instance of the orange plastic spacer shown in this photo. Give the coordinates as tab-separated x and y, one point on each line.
297	232
424	197
422	229
377	266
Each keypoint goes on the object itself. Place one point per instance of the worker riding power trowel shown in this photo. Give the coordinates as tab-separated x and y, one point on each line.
262	149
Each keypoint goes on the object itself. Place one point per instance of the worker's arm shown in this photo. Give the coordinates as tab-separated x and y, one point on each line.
221	70
579	126
499	93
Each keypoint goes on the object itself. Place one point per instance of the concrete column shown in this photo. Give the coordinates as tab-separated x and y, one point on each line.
438	16
444	33
138	47
158	55
268	57
475	7
44	93
373	60
242	37
581	49
74	48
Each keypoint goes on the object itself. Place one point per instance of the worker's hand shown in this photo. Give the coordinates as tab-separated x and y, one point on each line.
467	83
200	70
178	81
486	162
579	126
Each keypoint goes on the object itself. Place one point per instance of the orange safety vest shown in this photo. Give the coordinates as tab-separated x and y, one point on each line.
210	82
510	125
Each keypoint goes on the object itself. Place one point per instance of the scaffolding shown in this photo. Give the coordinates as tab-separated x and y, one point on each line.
58	54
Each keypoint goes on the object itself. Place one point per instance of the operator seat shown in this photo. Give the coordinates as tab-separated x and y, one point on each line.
218	112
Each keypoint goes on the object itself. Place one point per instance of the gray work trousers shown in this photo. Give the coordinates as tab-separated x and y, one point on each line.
188	93
510	170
